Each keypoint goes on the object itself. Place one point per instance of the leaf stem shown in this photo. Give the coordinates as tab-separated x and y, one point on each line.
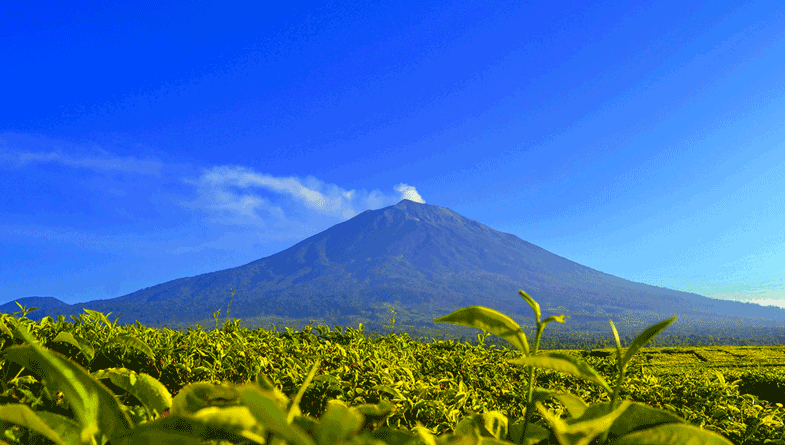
531	370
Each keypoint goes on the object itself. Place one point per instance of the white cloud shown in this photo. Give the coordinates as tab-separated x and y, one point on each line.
217	193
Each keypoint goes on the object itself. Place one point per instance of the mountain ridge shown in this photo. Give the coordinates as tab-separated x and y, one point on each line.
424	259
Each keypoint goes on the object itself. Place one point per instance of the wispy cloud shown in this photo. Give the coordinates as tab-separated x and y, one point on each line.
233	201
216	193
104	161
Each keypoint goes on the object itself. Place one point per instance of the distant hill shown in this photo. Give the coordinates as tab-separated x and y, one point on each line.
40	302
424	261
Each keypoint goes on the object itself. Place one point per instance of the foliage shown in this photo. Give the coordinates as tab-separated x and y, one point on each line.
133	385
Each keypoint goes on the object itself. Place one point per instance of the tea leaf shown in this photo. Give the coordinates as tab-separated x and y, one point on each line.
581	432
644	337
563	363
491	321
673	433
559	318
535	306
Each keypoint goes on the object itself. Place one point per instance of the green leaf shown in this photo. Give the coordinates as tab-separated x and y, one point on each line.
131	340
618	345
575	405
233	423
21	415
269	414
581	432
152	393
337	424
4	328
673	433
77	341
66	428
651	332
295	408
95	407
563	363
494	422
389	390
535	433
559	318
535	306
637	417
491	321
95	315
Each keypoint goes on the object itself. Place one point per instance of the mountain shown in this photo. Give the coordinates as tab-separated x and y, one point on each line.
423	260
39	302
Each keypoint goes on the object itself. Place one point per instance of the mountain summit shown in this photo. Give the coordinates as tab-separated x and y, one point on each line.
425	261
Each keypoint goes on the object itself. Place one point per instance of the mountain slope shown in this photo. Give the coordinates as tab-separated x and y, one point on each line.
425	260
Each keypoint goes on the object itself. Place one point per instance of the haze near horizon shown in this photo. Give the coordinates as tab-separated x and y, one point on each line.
143	143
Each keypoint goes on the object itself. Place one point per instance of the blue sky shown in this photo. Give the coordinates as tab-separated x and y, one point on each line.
142	142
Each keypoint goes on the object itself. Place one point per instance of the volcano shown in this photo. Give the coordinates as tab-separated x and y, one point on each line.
424	261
